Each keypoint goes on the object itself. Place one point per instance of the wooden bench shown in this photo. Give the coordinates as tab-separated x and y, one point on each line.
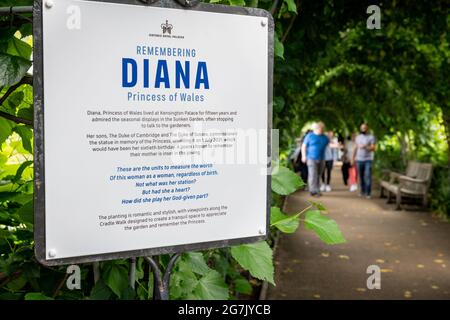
414	184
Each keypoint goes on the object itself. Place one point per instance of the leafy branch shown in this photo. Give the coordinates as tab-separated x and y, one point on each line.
25	80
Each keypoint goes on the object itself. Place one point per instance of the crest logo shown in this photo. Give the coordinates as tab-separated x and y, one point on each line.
166	27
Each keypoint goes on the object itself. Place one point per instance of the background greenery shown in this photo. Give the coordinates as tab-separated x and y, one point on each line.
328	66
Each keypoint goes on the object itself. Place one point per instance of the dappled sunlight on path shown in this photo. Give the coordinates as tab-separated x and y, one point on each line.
411	248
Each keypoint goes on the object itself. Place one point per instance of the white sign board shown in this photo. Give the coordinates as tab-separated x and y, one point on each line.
151	129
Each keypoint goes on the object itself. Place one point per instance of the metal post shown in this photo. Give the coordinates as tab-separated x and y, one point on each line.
96	270
13	10
132	274
161	284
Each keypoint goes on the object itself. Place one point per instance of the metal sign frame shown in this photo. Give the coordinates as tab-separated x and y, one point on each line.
39	127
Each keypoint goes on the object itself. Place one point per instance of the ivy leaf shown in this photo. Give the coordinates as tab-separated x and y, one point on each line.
5	129
285	223
17	47
284	181
25	113
291	6
326	228
211	287
116	278
12	69
13	101
26	134
256	258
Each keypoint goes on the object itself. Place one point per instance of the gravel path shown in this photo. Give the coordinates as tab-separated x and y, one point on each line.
411	248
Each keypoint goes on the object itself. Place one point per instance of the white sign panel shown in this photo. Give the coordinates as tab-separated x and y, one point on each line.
154	129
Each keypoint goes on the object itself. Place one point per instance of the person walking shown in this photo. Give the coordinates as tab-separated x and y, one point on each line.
313	152
351	177
346	160
363	155
295	155
331	155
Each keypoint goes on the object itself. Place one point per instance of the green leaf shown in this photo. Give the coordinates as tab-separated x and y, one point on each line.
17	283
26	134
26	212
116	278
17	47
183	280
5	129
211	287
37	296
326	228
26	29
285	181
278	47
285	223
25	113
292	7
128	294
242	285
256	258
14	100
12	69
101	291
197	262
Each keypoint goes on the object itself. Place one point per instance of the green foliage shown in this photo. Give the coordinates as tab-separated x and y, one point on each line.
284	181
283	222
115	276
194	279
13	68
210	287
278	47
5	129
101	291
325	227
291	6
36	296
256	258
